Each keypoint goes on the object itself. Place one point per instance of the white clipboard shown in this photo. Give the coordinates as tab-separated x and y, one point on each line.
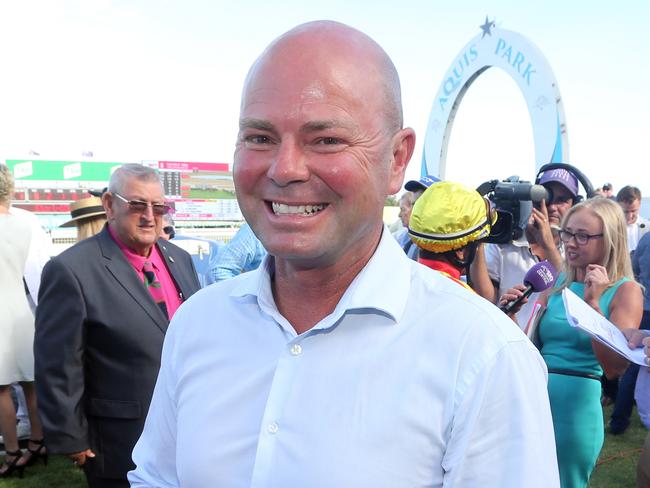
581	315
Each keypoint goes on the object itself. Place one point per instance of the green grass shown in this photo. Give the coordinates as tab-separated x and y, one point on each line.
59	473
616	466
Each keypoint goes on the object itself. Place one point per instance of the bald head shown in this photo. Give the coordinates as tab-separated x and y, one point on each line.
346	58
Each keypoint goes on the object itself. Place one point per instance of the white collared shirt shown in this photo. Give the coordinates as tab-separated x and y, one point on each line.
508	264
412	381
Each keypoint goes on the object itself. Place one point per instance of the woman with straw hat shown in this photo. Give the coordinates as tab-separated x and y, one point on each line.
88	215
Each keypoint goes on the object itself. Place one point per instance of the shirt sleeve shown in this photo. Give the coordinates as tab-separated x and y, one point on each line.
237	255
155	453
493	259
508	393
59	359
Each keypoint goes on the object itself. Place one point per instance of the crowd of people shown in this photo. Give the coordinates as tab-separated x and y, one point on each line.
325	351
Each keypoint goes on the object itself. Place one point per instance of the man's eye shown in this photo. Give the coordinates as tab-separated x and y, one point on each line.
258	139
329	141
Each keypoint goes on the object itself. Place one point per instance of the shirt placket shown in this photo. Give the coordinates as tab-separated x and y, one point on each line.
272	427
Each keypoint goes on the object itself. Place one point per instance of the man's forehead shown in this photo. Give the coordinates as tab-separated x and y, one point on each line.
319	103
133	186
632	205
310	81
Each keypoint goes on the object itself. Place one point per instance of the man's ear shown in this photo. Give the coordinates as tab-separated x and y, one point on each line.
107	202
403	145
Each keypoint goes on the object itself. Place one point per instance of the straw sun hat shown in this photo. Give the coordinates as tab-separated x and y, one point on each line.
84	209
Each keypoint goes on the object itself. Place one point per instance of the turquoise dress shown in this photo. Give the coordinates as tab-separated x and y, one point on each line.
575	393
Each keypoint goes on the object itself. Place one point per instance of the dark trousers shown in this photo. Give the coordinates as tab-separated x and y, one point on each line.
625	396
95	482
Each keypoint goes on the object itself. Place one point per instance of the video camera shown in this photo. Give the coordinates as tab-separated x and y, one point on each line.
513	201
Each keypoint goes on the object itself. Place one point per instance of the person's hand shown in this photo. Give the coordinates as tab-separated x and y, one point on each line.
638	338
512	294
596	282
634	337
539	226
79	458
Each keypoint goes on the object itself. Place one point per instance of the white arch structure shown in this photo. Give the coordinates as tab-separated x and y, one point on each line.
526	64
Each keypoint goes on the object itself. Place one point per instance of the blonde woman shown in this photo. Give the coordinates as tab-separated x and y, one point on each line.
16	335
597	268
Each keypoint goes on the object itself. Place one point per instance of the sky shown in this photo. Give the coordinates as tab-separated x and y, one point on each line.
161	79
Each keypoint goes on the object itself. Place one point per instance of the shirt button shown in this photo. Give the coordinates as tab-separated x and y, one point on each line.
296	349
273	427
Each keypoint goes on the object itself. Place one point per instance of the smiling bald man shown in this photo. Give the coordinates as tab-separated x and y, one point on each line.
339	362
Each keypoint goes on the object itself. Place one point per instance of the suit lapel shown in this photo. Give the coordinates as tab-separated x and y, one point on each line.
177	273
125	275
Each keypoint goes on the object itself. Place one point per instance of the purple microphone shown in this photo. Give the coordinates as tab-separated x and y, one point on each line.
538	278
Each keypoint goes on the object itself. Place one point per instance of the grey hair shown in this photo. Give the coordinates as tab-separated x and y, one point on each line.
409	198
6	185
128	171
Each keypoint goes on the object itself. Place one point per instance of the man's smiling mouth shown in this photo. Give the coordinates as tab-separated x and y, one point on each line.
305	210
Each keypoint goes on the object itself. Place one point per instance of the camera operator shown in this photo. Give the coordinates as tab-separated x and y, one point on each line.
498	267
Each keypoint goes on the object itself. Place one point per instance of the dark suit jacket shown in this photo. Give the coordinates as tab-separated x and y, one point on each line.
97	349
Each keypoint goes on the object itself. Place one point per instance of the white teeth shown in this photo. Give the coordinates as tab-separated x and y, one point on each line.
281	208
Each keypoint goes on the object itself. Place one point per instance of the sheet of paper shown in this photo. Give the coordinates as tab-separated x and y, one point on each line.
581	315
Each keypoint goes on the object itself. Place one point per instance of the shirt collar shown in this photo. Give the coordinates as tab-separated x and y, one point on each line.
443	266
382	285
136	260
521	242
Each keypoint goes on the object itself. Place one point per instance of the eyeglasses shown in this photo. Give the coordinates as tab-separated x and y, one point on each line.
582	238
141	207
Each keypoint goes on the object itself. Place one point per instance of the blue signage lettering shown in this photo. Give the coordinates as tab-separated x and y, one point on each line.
450	86
519	58
452	83
500	45
508	55
527	72
504	51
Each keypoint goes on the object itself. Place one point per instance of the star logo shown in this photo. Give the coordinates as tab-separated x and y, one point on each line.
486	28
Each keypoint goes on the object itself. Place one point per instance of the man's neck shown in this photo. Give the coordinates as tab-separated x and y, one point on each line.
305	296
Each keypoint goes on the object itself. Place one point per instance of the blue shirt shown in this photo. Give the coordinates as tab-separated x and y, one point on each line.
412	381
641	267
243	253
205	255
408	246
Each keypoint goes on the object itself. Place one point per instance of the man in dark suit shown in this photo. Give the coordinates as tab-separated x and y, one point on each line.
104	306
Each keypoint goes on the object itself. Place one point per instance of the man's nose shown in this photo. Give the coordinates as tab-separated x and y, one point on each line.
289	164
148	212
